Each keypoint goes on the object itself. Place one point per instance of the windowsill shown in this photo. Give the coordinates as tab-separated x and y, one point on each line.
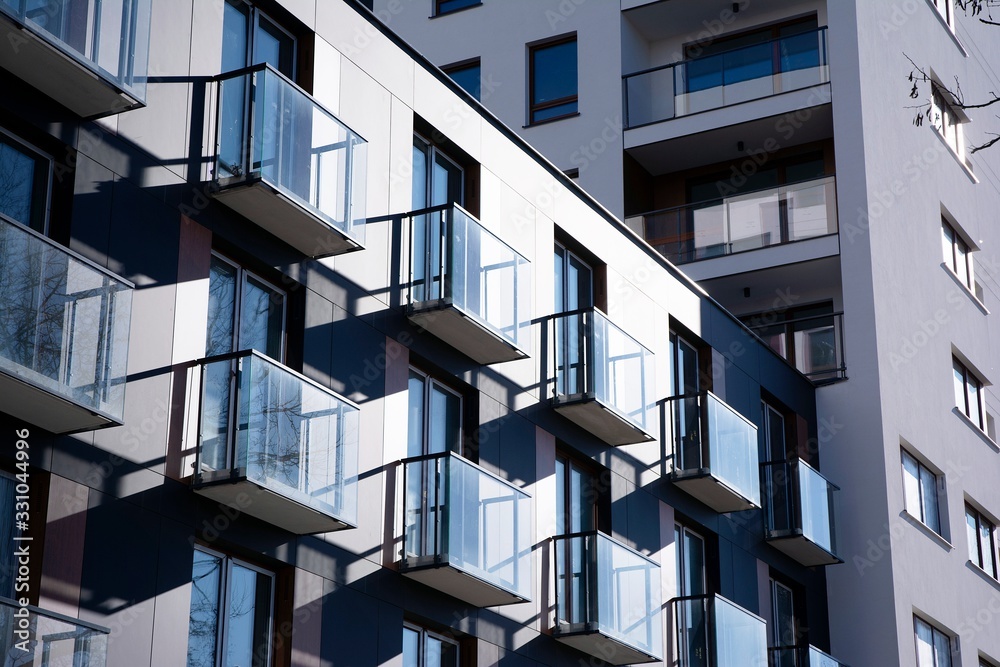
551	120
948	27
975	427
455	11
927	530
982	573
965	288
951	151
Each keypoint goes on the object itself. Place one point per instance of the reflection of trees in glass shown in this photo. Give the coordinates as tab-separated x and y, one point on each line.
16	182
204	616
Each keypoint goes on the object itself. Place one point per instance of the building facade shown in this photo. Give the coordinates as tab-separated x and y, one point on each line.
774	152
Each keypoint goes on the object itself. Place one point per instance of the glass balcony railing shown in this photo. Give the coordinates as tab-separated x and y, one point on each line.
744	222
801	656
64	334
723	79
289	443
798	511
466	532
714	452
468	287
711	631
603	378
288	164
31	636
607	599
814	345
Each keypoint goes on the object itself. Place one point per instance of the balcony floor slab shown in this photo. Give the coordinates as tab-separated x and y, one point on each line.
464	333
603	422
611	650
462	585
713	492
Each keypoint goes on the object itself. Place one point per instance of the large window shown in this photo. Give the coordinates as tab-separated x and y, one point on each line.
231	613
24	183
552	80
982	541
467	74
920	488
933	645
244	312
969	394
437	179
250	37
957	255
449	6
691	630
434	422
423	648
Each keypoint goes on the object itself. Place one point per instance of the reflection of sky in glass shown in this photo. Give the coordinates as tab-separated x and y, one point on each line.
16	181
241	617
411	648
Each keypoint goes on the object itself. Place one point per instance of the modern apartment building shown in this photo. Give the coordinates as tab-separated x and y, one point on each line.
772	151
307	359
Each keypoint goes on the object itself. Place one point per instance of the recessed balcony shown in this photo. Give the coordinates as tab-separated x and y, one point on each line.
33	636
753	72
276	445
64	335
607	599
467	287
714	455
602	377
466	531
798	512
90	57
289	165
814	344
744	222
801	656
711	630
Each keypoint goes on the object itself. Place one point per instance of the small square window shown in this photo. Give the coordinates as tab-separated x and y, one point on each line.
449	6
552	80
920	492
468	75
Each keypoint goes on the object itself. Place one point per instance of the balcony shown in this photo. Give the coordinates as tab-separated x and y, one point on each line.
607	599
713	631
814	345
466	532
32	636
277	445
64	333
748	73
467	287
798	512
801	656
288	165
714	452
744	222
90	57
603	378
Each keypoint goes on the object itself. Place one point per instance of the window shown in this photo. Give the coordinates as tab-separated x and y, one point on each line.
552	80
685	370
807	337
7	532
957	255
574	286
250	37
969	394
784	628
775	446
946	122
468	75
944	9
435	417
691	623
982	541
24	184
423	648
920	490
933	645
574	281
449	6
231	612
576	498
437	179
244	312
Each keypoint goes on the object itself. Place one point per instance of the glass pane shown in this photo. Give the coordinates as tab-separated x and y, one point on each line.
740	638
234	36
582	505
962	261
733	452
928	494
554	71
947	245
203	627
415	417
911	485
580	284
445	422
986	542
446	6
959	375
972	535
974	402
693	564
248	617
411	648
925	644
560	299
440	653
784	615
221	307
691	617
687	380
446	182
7	485
274	47
562	503
420	177
942	649
23	185
469	78
775	435
628	596
262	315
216	408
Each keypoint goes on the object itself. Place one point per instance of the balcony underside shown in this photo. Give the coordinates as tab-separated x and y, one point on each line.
57	74
601	646
20	398
712	491
802	548
290	221
461	585
603	422
266	505
464	333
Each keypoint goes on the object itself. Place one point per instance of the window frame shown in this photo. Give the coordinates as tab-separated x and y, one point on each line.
935	632
534	107
40	157
222	629
254	15
436	9
945	11
462	66
430	383
432	151
589	493
242	276
423	634
920	513
566	257
774	632
958	243
976	553
969	377
943	112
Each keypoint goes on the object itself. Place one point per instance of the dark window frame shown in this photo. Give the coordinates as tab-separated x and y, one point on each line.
920	513
969	378
462	66
533	107
439	4
958	242
976	553
935	631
